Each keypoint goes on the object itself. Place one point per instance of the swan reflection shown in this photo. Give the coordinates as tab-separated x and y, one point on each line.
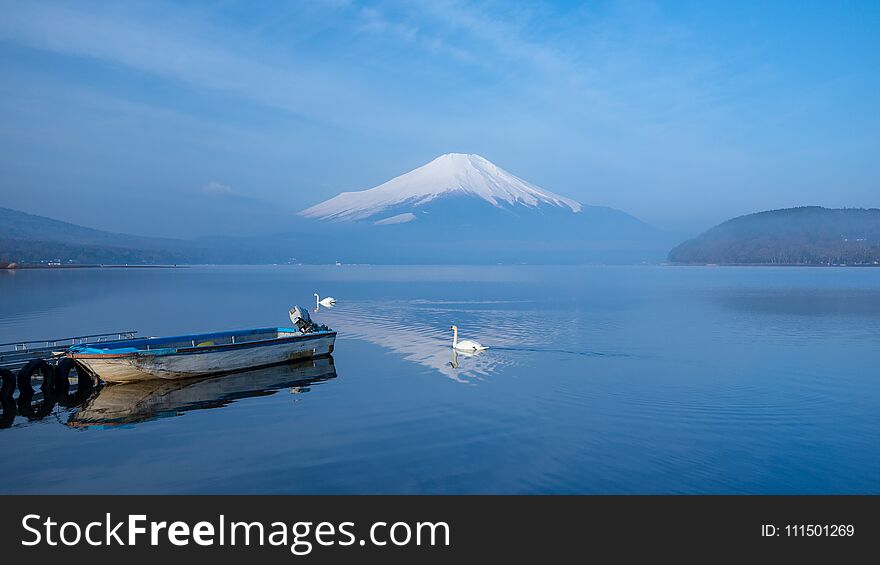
141	401
392	325
456	354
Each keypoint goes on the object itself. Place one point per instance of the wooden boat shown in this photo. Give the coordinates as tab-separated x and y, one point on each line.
197	355
130	403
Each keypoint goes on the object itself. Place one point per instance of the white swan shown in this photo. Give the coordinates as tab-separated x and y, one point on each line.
465	344
328	302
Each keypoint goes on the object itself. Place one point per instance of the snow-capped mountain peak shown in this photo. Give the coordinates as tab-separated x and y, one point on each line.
449	174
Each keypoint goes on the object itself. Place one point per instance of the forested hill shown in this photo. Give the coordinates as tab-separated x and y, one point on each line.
27	238
809	235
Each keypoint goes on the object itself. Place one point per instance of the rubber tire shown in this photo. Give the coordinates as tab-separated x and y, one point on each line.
7	412
62	376
84	388
38	412
26	372
84	379
7	383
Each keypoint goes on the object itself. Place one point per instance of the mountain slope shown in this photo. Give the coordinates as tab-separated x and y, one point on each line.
809	235
452	174
28	238
464	209
22	226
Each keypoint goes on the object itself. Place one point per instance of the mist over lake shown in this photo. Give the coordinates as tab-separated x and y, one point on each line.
596	380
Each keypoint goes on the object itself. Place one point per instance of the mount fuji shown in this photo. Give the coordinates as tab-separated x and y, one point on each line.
448	176
457	209
462	208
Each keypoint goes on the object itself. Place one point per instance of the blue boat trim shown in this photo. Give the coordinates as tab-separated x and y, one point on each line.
134	347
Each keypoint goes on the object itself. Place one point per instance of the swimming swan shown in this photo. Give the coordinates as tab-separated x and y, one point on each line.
465	344
329	301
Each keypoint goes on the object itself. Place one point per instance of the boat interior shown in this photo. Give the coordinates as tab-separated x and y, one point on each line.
190	340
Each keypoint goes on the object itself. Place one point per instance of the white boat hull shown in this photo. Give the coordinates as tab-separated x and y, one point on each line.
195	362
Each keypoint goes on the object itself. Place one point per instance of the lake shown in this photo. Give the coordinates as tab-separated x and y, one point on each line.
598	380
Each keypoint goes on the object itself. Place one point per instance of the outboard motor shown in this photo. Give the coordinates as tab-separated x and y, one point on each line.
301	320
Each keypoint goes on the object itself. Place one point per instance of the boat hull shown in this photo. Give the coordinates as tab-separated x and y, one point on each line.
202	361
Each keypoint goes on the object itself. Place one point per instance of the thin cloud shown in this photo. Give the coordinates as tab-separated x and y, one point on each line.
218	189
196	54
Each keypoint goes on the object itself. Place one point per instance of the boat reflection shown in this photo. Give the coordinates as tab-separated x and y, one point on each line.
34	406
142	401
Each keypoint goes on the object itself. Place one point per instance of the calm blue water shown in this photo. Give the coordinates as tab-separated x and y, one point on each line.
598	380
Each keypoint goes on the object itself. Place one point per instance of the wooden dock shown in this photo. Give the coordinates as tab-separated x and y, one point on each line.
41	374
15	355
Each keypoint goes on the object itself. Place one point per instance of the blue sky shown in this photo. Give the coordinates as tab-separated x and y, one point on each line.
194	118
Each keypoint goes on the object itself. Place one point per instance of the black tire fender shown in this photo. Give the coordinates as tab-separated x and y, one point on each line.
7	412
26	372
62	375
36	411
84	388
7	383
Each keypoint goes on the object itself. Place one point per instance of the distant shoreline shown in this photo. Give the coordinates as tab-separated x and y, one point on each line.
817	265
18	267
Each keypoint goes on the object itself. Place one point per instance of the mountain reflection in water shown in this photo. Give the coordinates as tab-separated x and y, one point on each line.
419	332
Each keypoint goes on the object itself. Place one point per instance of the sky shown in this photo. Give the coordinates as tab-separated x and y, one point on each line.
185	118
